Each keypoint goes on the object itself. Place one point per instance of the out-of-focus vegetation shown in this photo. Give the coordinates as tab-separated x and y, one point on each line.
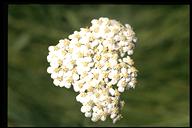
161	97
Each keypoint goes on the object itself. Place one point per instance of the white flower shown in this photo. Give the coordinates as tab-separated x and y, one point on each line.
75	76
67	84
131	84
103	118
88	114
121	89
113	115
112	62
51	48
56	82
54	75
130	52
112	91
85	108
96	63
113	73
50	69
117	118
54	64
76	88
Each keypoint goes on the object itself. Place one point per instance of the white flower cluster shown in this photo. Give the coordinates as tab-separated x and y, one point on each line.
96	62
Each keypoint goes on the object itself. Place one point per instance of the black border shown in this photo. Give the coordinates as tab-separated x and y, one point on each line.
4	63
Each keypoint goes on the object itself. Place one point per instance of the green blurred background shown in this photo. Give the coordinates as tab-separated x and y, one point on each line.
161	97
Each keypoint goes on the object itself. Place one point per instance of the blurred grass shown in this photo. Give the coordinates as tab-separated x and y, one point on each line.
161	97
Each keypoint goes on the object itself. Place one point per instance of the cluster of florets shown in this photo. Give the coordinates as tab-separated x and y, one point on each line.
96	63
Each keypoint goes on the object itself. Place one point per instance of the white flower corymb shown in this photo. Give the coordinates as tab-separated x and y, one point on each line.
96	63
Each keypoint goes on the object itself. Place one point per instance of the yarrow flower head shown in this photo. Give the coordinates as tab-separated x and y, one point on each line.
96	63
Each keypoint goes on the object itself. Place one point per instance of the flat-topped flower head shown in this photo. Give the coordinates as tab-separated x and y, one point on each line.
96	62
